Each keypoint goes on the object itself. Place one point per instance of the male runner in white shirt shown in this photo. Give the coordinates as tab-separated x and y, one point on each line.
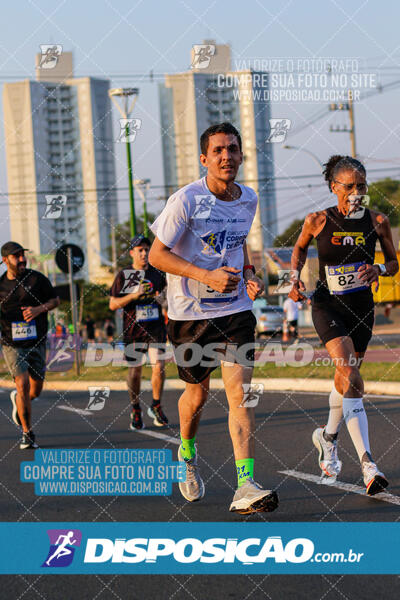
201	245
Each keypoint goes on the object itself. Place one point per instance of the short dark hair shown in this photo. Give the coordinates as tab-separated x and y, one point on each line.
338	163
220	128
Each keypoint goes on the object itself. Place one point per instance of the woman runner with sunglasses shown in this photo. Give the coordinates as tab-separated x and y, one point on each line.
343	306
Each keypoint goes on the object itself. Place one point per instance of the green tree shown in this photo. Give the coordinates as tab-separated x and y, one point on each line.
123	238
290	235
385	197
95	299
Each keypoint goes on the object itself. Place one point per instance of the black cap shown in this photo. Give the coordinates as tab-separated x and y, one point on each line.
11	248
138	240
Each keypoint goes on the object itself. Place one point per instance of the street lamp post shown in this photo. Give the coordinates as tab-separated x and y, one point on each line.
128	97
314	156
143	183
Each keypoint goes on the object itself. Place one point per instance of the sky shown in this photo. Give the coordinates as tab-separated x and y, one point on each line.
125	41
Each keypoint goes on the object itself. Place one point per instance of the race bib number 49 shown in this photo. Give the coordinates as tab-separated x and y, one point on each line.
343	279
22	330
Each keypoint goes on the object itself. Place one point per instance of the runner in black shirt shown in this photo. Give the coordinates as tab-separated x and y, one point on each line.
343	306
135	289
25	298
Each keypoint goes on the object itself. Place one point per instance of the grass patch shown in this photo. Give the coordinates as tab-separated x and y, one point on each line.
380	371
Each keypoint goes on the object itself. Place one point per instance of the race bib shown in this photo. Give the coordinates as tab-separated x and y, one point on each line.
343	279
21	330
147	312
207	295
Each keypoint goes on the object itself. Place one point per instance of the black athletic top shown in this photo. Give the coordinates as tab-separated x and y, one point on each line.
31	288
343	241
144	315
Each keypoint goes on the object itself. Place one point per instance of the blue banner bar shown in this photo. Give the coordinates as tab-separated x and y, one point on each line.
201	548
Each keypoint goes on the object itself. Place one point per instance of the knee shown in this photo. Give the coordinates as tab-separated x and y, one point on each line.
198	396
134	374
159	369
352	377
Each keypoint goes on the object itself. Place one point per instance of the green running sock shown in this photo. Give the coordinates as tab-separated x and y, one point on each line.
188	450
245	469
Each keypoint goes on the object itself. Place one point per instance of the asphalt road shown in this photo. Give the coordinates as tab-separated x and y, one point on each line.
284	424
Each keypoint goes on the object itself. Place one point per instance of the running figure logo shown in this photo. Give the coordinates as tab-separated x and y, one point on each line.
55	205
63	543
286	277
204	205
128	129
50	55
214	242
202	54
61	354
251	394
132	281
97	397
279	130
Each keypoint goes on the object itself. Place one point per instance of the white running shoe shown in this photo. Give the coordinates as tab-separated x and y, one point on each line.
374	480
328	457
14	413
193	488
251	498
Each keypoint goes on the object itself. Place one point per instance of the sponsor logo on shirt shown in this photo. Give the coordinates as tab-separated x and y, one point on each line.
216	241
348	238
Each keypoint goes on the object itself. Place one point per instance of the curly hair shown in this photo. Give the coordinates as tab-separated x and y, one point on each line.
338	163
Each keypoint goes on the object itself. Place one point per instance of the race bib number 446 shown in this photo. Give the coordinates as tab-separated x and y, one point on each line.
22	330
343	279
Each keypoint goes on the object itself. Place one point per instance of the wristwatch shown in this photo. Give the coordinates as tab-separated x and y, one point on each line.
251	267
382	269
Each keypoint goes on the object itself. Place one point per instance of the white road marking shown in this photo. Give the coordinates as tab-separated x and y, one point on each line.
347	487
79	411
160	436
366	396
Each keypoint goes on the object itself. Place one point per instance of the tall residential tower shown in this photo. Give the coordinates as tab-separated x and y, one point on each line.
59	142
209	93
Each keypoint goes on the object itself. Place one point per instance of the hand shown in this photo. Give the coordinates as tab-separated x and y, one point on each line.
31	312
142	291
223	279
254	285
369	274
295	293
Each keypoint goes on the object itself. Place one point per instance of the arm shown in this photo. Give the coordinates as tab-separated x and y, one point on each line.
30	312
221	280
312	222
370	273
116	303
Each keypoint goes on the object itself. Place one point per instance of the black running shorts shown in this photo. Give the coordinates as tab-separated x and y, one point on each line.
349	315
234	330
141	343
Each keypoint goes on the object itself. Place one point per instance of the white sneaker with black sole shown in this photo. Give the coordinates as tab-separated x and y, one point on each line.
251	498
374	480
328	460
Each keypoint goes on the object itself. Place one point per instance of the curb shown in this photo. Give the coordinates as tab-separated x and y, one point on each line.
270	384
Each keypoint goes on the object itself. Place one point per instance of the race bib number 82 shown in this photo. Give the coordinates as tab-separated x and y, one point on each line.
343	279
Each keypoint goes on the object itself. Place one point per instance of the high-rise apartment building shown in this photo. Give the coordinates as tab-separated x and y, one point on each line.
209	93
59	142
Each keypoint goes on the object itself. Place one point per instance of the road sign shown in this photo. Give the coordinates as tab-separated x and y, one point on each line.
77	258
